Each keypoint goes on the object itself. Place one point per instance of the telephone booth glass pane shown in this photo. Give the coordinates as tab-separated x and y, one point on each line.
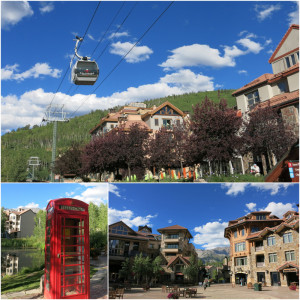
72	256
48	250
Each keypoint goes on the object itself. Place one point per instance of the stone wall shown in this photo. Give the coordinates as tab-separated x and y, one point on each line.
291	120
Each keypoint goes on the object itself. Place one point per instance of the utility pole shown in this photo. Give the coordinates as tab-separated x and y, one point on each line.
54	114
33	161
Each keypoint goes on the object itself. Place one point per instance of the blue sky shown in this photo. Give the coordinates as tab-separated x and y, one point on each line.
37	195
204	209
195	46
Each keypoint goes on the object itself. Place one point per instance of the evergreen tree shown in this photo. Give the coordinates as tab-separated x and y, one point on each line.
192	270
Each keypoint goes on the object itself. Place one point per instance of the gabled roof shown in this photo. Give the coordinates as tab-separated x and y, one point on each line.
123	224
287	265
167	103
175	227
272	58
173	260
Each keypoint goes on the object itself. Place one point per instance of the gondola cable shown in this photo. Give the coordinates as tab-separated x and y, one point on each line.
115	67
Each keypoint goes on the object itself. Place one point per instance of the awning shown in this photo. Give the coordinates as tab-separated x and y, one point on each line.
289	270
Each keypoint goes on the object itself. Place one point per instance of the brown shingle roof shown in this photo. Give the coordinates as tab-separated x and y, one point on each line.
279	100
177	227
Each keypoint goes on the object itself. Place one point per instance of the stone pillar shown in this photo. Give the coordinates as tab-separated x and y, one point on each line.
290	119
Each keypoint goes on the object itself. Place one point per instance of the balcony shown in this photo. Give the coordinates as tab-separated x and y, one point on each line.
259	248
260	264
169	250
171	240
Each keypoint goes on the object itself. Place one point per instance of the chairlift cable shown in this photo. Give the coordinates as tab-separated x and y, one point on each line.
115	67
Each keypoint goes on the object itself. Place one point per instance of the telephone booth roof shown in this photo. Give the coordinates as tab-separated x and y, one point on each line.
67	204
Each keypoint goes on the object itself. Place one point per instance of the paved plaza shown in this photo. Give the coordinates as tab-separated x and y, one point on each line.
220	291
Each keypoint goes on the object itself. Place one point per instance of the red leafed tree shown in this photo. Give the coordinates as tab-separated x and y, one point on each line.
118	149
70	161
265	134
102	154
167	148
215	132
133	147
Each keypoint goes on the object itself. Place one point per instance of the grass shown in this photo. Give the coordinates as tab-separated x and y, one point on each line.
27	279
235	178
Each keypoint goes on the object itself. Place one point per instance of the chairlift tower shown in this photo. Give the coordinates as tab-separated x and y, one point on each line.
33	161
54	114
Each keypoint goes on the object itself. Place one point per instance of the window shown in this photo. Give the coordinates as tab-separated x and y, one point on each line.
167	123
253	99
120	230
287	238
241	261
136	246
151	246
290	255
240	247
111	126
271	241
292	59
172	246
235	234
156	122
287	61
116	247
172	236
272	257
243	232
260	217
254	229
283	86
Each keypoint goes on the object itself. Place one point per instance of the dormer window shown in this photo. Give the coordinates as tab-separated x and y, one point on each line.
261	217
292	59
253	99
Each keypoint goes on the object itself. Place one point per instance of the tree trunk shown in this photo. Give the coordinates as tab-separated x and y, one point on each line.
129	173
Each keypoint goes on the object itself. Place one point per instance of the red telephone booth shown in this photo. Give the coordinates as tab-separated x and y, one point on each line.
67	250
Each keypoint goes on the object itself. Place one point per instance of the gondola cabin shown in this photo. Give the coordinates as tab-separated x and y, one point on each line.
67	251
85	72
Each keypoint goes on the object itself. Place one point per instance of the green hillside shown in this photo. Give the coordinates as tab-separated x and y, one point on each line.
17	146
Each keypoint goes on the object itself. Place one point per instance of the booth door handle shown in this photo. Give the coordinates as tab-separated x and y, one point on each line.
58	255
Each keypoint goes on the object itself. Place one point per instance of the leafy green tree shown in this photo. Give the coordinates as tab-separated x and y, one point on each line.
125	269
40	225
192	270
156	267
138	267
3	219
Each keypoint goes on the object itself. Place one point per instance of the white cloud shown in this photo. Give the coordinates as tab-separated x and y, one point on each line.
96	193
13	12
278	209
250	45
137	54
200	55
293	17
235	188
211	235
170	221
265	11
29	108
90	37
243	72
46	7
38	70
118	35
31	205
127	216
251	206
273	188
189	81
114	189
